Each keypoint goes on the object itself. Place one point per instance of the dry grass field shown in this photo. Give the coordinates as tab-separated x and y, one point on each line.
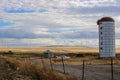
73	65
53	49
24	70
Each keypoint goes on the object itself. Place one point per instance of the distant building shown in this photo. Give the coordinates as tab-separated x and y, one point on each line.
48	54
106	37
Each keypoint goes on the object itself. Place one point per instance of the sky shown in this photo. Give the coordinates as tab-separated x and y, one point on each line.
32	23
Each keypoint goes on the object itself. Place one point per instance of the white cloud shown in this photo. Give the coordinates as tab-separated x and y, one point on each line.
8	42
118	18
59	21
51	4
46	41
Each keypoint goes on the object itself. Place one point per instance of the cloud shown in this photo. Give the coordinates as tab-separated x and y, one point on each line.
50	5
47	22
35	26
105	10
11	42
48	41
47	25
79	35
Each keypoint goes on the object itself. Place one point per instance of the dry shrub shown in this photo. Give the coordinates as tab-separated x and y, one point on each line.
40	73
37	72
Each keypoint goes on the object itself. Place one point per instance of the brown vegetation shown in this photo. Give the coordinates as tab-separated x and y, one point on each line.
34	72
53	49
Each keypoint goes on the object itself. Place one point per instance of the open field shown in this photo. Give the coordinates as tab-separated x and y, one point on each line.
13	68
54	49
95	68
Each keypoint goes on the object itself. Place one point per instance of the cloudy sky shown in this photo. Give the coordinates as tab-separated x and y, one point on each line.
28	23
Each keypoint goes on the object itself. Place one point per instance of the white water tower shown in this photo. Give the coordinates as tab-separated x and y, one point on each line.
106	37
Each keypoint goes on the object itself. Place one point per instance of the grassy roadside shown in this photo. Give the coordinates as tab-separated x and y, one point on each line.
29	71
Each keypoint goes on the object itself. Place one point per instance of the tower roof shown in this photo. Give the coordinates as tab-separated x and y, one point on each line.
105	19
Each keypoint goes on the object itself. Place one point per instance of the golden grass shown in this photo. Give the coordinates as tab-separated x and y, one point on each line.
37	72
53	49
62	50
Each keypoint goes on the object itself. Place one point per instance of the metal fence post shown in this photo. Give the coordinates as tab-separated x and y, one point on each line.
112	72
83	70
63	65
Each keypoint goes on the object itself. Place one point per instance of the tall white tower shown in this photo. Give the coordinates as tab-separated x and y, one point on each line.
106	37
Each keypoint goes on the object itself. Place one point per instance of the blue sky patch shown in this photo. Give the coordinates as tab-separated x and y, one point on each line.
5	23
43	10
18	11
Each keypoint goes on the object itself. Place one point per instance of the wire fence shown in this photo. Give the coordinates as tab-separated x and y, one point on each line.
101	69
84	69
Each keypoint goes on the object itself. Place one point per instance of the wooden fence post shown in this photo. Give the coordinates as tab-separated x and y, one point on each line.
42	62
51	64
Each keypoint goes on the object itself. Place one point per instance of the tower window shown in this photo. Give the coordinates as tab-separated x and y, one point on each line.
101	48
